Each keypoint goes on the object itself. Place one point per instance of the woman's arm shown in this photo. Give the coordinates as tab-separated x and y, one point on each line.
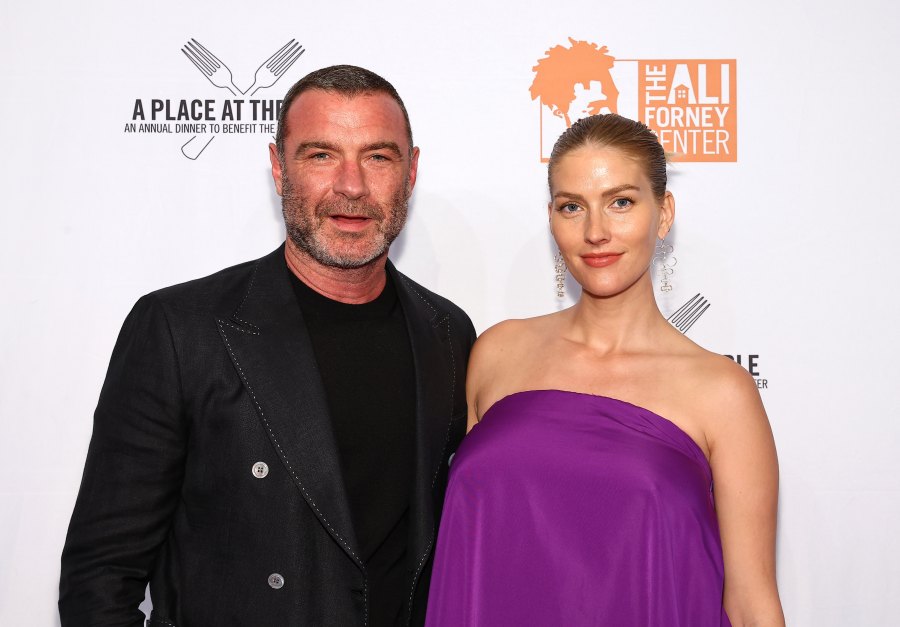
487	366
745	476
475	377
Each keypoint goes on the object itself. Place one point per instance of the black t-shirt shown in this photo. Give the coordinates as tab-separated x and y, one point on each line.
366	364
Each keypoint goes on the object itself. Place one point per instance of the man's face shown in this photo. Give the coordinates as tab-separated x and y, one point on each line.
346	176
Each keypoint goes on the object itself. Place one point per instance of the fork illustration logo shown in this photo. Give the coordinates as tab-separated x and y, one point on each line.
203	120
220	75
685	316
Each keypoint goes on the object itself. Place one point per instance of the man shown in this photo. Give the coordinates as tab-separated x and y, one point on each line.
271	442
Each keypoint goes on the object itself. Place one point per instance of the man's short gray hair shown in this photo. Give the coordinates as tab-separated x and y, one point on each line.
347	80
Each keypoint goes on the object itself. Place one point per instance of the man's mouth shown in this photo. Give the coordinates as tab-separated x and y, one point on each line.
349	222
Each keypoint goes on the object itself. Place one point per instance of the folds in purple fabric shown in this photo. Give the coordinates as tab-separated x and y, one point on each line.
576	510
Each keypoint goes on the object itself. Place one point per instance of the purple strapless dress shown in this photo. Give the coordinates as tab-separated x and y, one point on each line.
572	510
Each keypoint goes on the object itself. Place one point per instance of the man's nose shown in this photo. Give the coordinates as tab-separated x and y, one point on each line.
350	181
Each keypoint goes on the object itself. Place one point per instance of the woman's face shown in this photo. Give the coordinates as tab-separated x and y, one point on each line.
605	218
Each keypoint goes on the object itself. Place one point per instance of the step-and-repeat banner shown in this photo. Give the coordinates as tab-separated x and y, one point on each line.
135	155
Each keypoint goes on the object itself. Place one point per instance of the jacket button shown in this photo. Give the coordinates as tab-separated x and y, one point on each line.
260	470
276	581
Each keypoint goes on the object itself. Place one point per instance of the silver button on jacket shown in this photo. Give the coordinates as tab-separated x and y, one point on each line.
276	581
260	470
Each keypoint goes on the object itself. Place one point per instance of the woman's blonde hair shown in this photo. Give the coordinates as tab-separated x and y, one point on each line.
611	130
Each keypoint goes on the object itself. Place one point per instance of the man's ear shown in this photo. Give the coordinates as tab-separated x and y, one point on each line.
413	171
276	167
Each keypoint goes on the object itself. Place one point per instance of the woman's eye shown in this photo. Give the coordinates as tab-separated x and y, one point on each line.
622	203
569	207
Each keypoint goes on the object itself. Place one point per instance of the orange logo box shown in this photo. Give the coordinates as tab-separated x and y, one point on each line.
691	105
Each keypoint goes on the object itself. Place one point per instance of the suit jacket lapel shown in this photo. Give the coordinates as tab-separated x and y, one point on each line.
271	350
433	359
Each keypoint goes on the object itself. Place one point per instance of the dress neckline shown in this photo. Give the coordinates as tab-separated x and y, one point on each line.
668	424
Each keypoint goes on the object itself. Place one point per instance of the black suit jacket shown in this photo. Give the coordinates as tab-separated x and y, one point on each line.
208	379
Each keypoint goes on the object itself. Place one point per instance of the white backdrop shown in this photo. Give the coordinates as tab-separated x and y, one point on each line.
793	244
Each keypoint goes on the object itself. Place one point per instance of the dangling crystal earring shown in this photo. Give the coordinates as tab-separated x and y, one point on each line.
665	264
560	274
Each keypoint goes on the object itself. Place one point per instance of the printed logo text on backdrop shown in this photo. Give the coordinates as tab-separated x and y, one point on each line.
691	104
204	119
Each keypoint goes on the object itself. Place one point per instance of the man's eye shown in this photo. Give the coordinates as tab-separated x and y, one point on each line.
319	156
378	157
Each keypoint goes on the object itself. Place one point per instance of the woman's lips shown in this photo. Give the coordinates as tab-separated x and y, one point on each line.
601	260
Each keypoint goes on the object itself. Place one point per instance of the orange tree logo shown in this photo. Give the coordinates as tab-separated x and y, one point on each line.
691	104
564	77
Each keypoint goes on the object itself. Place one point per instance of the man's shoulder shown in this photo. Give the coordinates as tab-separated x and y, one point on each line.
432	301
208	292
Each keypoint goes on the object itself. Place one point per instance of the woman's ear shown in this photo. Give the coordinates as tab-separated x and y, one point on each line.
666	215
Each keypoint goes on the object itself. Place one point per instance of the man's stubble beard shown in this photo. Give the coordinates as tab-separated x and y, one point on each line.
304	226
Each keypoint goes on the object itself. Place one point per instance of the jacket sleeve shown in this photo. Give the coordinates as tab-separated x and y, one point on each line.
132	477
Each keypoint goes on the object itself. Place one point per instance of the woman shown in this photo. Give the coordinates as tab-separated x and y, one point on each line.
584	492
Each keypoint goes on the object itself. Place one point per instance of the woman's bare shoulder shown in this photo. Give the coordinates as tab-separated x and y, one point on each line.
502	359
515	333
724	378
730	401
